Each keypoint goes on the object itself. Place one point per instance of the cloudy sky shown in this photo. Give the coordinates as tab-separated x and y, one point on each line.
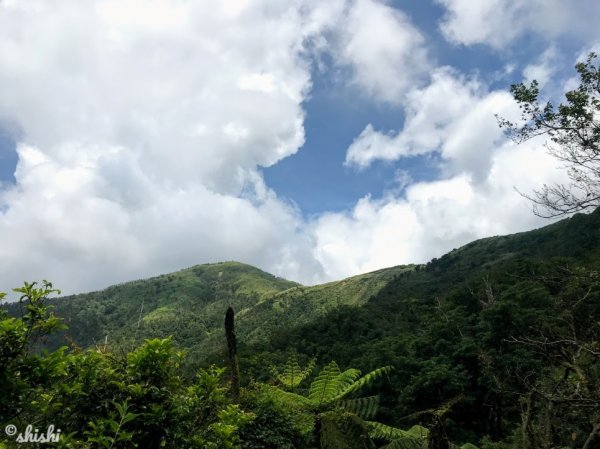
313	139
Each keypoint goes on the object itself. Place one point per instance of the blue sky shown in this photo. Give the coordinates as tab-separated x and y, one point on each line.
316	179
8	158
315	140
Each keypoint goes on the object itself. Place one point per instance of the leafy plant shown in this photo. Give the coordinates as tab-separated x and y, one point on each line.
337	419
292	374
108	431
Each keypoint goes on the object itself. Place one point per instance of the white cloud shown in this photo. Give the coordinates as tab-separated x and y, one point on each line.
475	197
498	23
142	125
453	116
543	69
434	217
386	52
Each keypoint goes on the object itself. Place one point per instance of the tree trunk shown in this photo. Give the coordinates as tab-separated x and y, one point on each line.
437	435
592	436
234	370
526	422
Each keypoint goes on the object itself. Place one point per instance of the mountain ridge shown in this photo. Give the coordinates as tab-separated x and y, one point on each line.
189	303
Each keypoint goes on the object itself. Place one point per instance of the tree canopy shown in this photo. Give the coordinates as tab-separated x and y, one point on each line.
574	131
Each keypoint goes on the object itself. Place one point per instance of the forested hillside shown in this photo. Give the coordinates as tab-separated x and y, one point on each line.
494	344
507	324
189	305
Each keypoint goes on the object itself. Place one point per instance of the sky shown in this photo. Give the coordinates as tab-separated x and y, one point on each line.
315	140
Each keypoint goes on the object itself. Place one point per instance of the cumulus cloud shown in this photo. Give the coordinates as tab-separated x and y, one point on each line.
143	124
498	23
543	69
432	218
387	53
160	79
452	116
475	196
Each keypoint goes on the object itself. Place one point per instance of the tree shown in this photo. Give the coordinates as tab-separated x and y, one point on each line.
337	420
574	131
20	367
562	401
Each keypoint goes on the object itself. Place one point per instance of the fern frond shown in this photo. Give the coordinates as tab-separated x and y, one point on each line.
406	444
415	438
344	430
367	379
362	407
326	386
419	431
446	406
347	378
292	373
438	412
287	398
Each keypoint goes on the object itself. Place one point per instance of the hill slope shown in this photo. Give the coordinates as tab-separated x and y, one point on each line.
465	326
179	303
190	305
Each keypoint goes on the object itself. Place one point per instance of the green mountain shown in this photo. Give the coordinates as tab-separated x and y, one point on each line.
190	305
510	325
464	328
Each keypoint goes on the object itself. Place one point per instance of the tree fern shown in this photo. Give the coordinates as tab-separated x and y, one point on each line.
338	422
362	407
343	430
414	438
406	444
326	386
419	431
367	379
292	374
288	398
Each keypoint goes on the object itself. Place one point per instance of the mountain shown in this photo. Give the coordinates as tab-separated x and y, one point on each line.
499	323
190	305
462	328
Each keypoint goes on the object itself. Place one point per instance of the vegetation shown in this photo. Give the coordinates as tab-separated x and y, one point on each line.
495	345
106	400
189	305
574	132
234	370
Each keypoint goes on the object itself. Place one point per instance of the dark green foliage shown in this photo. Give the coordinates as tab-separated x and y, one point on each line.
273	427
19	368
449	330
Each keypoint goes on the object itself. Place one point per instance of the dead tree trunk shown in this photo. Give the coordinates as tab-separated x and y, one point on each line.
234	370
